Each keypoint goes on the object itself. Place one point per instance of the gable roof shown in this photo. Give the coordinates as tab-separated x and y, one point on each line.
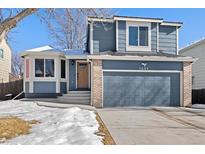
135	18
47	49
192	45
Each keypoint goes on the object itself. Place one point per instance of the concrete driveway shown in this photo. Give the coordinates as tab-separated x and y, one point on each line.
155	125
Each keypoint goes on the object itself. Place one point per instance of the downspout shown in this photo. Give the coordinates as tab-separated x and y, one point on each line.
91	75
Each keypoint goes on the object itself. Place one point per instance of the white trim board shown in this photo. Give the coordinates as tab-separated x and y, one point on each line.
91	19
177	36
143	58
171	24
137	19
116	36
157	37
148	71
91	37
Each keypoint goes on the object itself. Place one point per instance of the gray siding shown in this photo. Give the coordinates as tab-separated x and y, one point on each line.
44	87
26	87
121	36
141	89
103	37
154	37
63	87
136	65
72	75
168	39
198	71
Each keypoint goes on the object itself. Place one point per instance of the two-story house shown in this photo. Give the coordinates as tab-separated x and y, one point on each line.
129	61
5	61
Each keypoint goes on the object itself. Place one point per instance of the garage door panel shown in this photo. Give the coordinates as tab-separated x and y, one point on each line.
140	89
157	91
113	93
130	93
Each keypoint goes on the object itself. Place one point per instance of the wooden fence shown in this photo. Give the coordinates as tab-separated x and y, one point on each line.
14	88
198	96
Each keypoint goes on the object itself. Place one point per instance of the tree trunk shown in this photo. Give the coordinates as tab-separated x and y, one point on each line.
10	23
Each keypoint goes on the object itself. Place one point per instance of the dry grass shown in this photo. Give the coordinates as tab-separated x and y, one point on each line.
11	127
103	131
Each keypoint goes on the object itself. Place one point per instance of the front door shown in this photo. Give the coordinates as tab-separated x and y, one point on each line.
82	75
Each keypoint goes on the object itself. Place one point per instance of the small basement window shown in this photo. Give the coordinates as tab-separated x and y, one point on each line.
44	67
63	69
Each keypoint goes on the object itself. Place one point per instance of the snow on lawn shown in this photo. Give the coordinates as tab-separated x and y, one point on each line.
57	126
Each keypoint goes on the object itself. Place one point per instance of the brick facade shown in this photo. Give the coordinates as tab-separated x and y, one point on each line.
97	83
187	84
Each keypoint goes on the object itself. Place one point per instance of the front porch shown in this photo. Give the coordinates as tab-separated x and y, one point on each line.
53	74
78	83
79	75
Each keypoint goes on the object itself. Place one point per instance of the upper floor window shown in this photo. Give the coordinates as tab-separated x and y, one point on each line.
1	53
44	67
138	36
143	36
133	36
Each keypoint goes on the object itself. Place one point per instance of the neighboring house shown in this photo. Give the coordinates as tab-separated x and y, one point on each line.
5	61
129	61
197	50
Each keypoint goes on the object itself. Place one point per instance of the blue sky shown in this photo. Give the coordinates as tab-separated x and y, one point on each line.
31	33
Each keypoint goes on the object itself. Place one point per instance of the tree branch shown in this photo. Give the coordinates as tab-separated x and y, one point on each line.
10	23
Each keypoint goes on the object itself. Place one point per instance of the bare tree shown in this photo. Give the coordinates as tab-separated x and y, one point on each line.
9	18
17	64
68	26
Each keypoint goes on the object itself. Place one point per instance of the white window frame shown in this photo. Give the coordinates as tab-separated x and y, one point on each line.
138	48
43	78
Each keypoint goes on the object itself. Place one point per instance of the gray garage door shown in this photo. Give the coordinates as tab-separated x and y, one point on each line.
141	89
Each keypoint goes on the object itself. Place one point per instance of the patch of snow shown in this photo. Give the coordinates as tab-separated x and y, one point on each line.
43	48
57	126
198	106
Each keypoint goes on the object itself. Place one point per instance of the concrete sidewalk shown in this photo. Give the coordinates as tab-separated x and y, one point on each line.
155	125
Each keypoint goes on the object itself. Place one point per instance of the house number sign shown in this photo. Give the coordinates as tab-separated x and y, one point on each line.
143	66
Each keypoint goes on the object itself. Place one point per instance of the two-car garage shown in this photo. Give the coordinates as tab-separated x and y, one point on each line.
136	83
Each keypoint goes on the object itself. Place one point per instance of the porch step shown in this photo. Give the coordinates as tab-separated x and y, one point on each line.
78	92
74	101
76	97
